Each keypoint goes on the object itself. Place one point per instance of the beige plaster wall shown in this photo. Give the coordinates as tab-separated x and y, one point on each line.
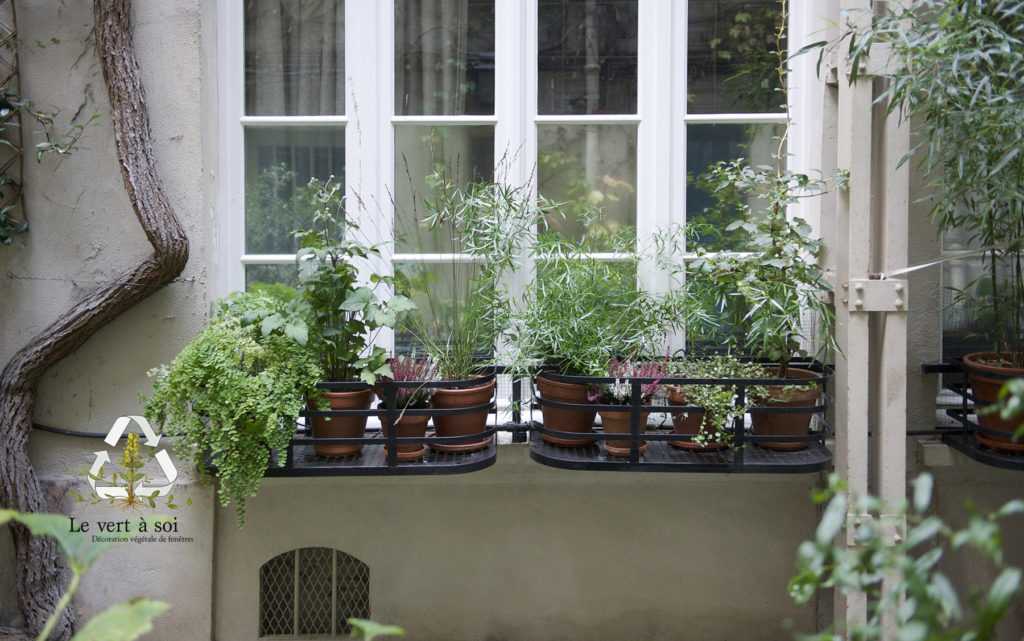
524	552
84	233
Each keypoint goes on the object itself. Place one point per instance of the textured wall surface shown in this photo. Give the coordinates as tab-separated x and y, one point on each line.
83	233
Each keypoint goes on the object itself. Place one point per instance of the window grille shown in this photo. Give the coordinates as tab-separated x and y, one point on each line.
312	591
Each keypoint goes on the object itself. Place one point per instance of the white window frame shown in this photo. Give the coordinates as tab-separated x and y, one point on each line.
369	123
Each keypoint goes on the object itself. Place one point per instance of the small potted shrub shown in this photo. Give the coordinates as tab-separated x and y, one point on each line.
344	316
620	392
712	425
580	314
764	297
487	222
233	394
411	369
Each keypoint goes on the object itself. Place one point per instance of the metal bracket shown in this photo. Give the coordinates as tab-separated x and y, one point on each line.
868	295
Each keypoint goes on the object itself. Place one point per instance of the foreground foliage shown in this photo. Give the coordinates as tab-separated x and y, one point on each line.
122	622
922	604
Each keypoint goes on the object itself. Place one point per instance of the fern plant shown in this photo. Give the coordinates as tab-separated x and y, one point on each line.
232	395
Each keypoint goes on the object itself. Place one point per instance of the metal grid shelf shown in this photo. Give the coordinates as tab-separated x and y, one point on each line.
372	461
659	455
967	445
662	457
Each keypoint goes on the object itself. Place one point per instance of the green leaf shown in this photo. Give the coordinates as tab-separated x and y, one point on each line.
832	520
399	304
78	548
122	622
297	331
1004	589
923	492
358	300
370	630
271	323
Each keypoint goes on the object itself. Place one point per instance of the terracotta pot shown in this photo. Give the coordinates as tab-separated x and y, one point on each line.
562	419
787	424
689	423
462	424
986	378
342	426
617	422
409	426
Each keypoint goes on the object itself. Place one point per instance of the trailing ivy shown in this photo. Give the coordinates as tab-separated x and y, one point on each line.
233	394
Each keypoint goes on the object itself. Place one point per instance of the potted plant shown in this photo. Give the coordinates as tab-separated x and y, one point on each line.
711	426
233	394
410	369
484	225
765	296
620	392
580	313
344	315
970	120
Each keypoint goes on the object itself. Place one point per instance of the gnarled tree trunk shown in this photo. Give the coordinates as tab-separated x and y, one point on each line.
39	576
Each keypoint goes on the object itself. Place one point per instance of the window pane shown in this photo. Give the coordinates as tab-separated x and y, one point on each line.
425	155
279	163
587	58
294	57
733	57
444	57
442	293
271	275
592	170
710	144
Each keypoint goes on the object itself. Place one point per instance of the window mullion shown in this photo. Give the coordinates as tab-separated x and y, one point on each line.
515	142
369	136
654	152
229	274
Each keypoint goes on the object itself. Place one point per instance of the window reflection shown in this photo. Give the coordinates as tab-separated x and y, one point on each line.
732	57
294	57
279	163
587	58
710	144
444	57
591	170
424	155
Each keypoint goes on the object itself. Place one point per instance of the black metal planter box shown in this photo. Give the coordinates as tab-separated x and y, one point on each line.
744	455
963	438
379	454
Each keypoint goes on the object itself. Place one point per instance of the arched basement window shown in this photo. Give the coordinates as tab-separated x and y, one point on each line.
312	591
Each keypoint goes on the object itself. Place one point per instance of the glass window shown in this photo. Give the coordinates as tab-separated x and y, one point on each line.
425	155
444	57
592	170
587	58
733	57
710	144
280	162
294	57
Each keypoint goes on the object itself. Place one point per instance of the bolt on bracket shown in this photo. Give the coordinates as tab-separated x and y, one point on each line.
870	295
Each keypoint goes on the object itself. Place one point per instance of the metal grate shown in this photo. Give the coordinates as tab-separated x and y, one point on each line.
277	595
312	592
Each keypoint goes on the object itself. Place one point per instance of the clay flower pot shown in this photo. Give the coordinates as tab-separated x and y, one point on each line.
986	376
462	424
341	426
798	424
563	419
689	424
617	422
408	426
